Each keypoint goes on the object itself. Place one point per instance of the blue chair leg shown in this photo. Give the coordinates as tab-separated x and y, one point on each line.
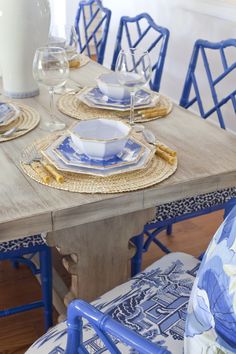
46	284
15	264
169	229
136	262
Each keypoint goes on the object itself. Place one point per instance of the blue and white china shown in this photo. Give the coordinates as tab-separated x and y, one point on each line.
70	155
142	162
109	85
93	97
101	138
8	113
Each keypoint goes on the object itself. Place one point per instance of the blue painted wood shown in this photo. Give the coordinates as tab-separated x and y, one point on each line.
162	37
24	256
152	230
104	326
199	52
86	16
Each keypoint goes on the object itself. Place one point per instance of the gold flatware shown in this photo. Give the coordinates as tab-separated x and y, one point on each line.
165	156
166	149
44	169
152	110
74	63
40	170
52	170
147	113
162	150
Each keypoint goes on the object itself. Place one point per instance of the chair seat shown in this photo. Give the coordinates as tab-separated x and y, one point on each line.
153	303
21	243
190	205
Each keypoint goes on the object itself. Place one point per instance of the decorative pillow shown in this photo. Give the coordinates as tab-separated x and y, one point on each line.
211	320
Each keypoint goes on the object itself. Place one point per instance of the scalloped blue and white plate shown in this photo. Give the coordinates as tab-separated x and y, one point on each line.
141	163
8	113
97	97
94	98
70	155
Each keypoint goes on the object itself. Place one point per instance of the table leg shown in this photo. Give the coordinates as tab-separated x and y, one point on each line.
97	254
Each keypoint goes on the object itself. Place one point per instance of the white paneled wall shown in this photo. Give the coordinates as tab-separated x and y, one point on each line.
187	21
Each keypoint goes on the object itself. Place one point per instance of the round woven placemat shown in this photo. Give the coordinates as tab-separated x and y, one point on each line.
27	121
70	105
157	171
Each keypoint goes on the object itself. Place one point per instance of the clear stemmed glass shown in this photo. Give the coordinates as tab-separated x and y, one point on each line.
134	67
65	37
51	69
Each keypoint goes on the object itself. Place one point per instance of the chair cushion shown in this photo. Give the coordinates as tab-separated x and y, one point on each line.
153	303
193	204
26	242
211	319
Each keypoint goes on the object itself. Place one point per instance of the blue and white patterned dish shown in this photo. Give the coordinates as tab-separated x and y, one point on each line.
141	163
8	113
97	97
93	97
70	155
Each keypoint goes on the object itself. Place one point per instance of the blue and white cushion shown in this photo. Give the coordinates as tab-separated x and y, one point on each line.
211	319
153	303
21	243
193	204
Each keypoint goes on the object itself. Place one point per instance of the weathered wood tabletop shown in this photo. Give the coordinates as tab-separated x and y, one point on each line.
207	162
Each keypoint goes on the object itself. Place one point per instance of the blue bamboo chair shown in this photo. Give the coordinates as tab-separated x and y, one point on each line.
154	313
142	32
22	251
173	212
92	25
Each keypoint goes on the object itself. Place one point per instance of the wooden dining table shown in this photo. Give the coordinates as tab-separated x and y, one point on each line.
92	231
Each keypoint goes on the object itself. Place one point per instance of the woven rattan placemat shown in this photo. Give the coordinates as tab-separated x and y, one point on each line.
155	172
27	121
70	105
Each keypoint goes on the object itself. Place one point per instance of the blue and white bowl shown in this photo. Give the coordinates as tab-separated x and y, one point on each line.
109	85
100	139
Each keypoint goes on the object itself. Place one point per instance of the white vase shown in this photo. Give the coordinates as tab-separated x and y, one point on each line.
24	26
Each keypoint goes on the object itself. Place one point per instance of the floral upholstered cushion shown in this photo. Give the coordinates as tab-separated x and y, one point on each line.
153	303
211	319
26	242
193	204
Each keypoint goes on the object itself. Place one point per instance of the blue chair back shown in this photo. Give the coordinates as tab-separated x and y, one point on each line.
192	83
92	25
142	32
107	329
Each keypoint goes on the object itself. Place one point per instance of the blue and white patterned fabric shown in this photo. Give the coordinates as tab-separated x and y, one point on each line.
211	319
21	243
153	303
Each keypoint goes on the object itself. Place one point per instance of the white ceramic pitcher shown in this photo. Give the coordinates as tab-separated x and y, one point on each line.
24	26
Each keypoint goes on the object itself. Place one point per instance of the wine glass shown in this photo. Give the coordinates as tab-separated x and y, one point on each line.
51	69
65	37
134	68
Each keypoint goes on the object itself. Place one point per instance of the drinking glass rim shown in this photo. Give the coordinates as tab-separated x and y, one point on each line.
129	50
51	49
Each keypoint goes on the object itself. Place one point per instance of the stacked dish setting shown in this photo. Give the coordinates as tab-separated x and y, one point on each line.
99	147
